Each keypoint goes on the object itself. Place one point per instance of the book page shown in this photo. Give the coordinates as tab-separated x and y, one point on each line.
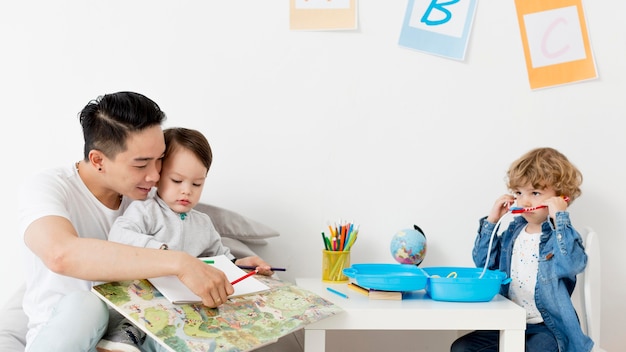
176	292
242	323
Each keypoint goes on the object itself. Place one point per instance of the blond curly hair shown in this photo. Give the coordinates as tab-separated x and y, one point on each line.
546	167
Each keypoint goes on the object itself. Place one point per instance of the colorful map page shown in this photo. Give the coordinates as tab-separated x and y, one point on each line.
242	324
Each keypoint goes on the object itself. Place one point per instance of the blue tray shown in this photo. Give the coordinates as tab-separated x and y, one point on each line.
387	277
459	284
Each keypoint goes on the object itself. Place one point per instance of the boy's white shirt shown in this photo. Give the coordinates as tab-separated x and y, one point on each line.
524	268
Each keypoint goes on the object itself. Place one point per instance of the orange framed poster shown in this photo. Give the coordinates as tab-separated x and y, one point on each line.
556	43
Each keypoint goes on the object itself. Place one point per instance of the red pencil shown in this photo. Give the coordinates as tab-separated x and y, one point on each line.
245	276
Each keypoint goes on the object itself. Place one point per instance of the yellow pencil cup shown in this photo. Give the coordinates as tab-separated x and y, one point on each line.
333	263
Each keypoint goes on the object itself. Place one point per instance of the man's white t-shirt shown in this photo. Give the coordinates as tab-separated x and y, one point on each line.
58	192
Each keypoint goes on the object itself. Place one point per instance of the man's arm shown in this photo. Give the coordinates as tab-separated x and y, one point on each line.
55	241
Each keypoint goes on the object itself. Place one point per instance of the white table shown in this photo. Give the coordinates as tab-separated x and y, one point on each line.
362	313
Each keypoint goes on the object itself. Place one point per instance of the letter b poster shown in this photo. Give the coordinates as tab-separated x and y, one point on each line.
440	27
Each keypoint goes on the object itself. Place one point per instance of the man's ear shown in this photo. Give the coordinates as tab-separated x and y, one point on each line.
96	159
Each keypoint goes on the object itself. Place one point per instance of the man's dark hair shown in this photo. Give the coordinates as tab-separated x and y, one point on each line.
108	120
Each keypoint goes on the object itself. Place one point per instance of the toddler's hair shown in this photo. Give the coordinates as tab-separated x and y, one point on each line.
192	140
546	167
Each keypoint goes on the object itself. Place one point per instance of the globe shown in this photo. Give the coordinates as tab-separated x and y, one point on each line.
408	246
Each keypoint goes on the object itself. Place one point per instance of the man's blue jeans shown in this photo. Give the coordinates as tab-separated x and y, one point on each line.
77	323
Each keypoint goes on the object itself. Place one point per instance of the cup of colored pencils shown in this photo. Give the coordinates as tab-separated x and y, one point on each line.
336	252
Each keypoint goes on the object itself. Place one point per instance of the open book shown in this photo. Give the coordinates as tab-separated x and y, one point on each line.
176	292
243	323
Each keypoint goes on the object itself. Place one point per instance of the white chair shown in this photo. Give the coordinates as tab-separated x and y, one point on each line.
586	296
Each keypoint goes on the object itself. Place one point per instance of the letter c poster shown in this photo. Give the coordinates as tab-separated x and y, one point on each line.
556	43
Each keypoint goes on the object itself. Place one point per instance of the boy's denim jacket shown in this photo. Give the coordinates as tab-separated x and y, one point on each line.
561	258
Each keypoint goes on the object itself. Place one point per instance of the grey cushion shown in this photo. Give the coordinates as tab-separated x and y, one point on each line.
234	225
237	248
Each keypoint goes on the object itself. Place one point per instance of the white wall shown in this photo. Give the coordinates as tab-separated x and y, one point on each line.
308	127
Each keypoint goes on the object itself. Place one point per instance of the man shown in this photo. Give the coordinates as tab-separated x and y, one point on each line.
65	215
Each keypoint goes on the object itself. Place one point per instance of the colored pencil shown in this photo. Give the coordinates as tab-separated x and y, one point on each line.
341	236
341	294
253	272
251	267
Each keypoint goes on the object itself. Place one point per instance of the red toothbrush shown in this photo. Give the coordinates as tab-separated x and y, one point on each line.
518	210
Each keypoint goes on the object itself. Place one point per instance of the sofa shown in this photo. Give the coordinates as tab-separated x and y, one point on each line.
237	232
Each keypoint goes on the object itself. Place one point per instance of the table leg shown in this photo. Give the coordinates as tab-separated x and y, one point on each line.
314	340
512	340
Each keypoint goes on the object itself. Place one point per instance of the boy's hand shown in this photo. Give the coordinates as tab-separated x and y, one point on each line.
555	204
500	207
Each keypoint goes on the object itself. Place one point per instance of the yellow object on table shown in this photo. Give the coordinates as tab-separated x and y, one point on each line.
333	263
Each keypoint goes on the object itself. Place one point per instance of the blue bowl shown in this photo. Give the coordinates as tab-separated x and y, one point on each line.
387	277
459	284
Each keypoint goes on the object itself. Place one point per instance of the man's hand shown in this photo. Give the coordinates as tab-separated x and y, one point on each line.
206	281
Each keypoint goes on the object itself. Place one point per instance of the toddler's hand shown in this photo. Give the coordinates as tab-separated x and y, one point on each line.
555	204
500	207
263	267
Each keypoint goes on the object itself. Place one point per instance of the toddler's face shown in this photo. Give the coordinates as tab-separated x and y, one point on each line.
182	180
530	197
